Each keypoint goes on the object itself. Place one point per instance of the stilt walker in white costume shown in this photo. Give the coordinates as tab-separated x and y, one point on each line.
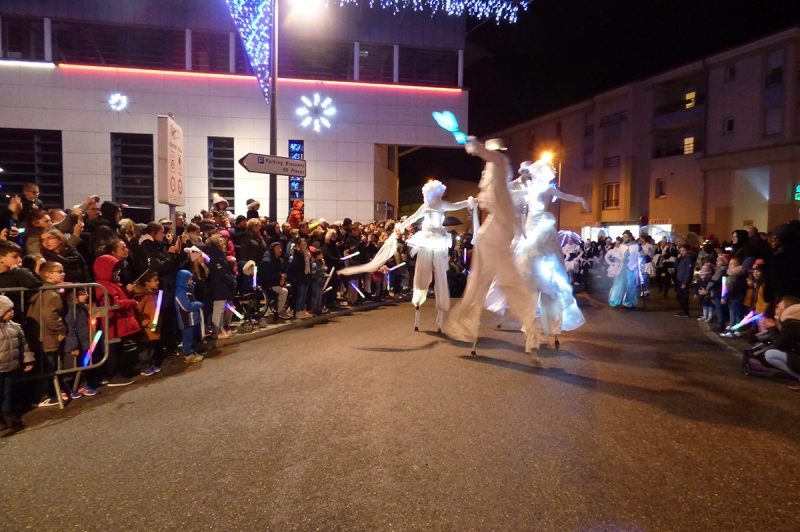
492	256
539	255
431	246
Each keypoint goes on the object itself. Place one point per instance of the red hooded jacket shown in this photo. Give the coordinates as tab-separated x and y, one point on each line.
122	322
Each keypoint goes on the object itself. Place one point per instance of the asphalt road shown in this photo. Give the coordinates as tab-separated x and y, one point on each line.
639	422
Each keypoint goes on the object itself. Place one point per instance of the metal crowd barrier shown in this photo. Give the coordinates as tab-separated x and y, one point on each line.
95	312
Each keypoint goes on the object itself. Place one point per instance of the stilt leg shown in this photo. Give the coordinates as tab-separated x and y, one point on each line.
474	345
416	320
556	343
440	319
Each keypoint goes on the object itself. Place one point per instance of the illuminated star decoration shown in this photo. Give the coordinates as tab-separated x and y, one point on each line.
316	112
501	10
118	101
253	19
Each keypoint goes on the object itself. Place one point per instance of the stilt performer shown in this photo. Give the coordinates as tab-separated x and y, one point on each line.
492	256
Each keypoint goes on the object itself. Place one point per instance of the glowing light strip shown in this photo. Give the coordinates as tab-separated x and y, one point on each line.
255	276
393	268
158	309
348	257
31	64
243	77
87	359
357	290
750	318
238	314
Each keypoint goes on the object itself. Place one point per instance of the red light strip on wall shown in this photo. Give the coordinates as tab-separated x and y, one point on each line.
241	77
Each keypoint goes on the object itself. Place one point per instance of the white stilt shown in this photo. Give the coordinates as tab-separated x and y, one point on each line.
416	320
440	319
556	343
474	345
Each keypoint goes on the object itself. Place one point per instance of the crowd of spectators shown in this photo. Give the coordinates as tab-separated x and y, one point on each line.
199	268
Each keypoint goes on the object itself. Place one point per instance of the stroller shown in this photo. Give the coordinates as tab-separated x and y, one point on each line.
753	361
251	303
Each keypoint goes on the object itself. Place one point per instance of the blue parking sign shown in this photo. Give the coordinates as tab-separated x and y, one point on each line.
260	160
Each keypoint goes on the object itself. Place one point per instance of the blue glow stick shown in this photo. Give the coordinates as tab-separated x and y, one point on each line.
356	289
230	307
747	320
255	274
87	358
724	287
447	121
348	257
393	268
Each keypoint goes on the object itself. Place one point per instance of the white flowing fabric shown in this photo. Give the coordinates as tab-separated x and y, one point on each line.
614	260
383	255
492	256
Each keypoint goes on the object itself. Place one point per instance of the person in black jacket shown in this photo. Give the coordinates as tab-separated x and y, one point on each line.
102	231
56	249
299	273
784	334
684	271
252	245
272	276
12	275
223	284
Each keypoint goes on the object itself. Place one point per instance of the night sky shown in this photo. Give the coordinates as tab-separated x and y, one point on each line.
563	51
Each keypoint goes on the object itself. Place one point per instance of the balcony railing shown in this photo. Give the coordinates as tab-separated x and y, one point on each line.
680	105
611	162
660	152
611	204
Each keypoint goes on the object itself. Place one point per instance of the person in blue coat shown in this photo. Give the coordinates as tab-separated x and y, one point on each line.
190	319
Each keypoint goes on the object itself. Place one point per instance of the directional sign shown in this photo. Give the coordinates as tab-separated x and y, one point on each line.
270	164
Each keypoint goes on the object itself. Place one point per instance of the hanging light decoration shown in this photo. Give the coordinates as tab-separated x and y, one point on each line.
253	19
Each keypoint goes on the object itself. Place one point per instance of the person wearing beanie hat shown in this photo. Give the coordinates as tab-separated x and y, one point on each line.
252	208
14	352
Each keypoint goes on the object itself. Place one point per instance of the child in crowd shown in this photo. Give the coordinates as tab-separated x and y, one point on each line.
193	232
318	277
33	261
272	276
714	288
300	276
737	288
706	304
121	363
13	276
145	292
198	265
190	319
223	284
14	352
761	304
78	339
47	315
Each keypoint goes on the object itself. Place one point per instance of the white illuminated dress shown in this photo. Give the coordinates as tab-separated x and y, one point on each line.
431	246
538	256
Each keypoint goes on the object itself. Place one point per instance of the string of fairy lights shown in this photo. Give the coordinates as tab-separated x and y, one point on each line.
253	19
500	10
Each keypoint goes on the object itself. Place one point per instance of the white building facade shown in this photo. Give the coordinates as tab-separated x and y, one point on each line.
56	100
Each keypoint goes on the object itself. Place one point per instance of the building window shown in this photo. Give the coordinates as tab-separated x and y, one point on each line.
688	145
773	121
132	175
428	67
616	118
610	196
588	159
210	52
22	38
774	68
242	62
32	156
727	126
661	188
220	169
376	62
730	73
690	98
316	60
611	162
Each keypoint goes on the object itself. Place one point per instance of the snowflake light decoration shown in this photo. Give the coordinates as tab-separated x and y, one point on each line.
316	112
117	101
253	19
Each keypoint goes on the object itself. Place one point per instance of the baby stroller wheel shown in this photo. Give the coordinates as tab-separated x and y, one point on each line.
746	369
247	326
264	322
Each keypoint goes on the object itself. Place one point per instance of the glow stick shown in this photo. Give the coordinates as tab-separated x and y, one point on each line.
328	279
465	255
348	257
393	268
356	289
230	307
87	358
255	274
747	320
724	287
158	309
327	290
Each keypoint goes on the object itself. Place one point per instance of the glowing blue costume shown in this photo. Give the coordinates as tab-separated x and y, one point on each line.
625	290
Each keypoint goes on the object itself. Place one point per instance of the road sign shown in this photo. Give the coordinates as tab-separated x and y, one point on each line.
270	164
170	162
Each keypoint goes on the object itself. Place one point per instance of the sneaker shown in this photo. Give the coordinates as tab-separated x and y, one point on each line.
284	315
737	334
191	359
303	315
88	390
147	372
119	380
728	334
702	318
155	369
46	402
708	319
223	335
72	395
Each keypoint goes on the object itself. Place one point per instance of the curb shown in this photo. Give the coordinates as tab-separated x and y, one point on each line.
298	324
706	328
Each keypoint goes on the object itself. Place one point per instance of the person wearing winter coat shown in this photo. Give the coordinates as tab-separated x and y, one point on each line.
223	284
272	276
12	275
14	353
684	271
252	245
784	333
78	341
102	231
122	323
55	248
252	208
737	289
145	292
299	273
190	318
714	288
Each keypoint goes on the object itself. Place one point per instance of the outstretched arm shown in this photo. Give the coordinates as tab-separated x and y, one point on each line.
402	226
466	204
566	197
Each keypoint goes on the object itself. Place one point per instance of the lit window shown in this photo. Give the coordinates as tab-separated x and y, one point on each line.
661	188
688	145
690	99
611	196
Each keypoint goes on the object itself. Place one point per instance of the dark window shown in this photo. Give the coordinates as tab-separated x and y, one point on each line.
32	156
22	38
220	169
611	162
242	61
297	150
210	52
428	67
316	60
376	62
132	176
119	45
775	77
616	118
728	125
661	188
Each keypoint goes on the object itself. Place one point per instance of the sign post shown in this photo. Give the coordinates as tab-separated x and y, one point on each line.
171	177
